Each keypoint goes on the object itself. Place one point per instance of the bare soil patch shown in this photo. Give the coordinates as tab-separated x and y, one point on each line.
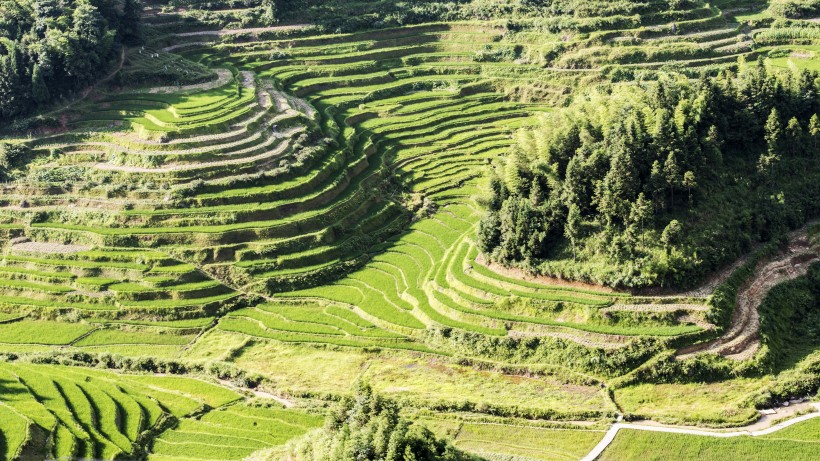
47	248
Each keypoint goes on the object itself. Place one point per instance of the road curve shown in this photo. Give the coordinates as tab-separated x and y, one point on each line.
613	431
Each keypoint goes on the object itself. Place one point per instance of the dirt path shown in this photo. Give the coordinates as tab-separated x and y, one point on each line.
88	90
260	394
752	430
48	248
223	76
515	273
185	45
741	339
253	30
591	340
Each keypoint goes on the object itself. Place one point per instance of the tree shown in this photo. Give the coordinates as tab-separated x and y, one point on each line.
51	47
11	156
773	133
664	133
512	173
269	12
711	148
814	130
368	427
489	232
671	172
794	135
689	183
805	93
39	89
89	42
657	183
572	228
576	183
619	187
13	94
130	25
640	212
671	234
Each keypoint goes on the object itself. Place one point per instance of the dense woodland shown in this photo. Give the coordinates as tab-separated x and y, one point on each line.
50	48
658	183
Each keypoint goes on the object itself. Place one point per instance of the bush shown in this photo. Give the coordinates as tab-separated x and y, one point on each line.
368	427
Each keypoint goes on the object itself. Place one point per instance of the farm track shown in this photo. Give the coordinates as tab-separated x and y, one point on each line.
47	248
252	30
752	430
223	76
741	340
91	88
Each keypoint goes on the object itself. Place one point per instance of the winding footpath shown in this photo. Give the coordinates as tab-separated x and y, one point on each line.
253	30
84	94
741	340
223	32
613	431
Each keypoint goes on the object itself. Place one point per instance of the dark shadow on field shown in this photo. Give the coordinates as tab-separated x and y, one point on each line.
9	387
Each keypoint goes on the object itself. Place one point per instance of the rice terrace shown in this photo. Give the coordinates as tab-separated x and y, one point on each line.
380	230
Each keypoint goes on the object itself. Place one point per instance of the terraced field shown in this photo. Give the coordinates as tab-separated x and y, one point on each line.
56	412
275	181
234	432
271	180
320	193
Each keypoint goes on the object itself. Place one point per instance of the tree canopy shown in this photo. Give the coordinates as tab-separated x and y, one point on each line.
49	48
368	427
642	174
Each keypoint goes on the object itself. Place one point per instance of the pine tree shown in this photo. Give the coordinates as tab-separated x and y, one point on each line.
671	233
671	172
572	228
618	188
575	189
657	183
681	116
39	89
14	94
794	136
773	132
130	26
804	92
664	131
537	193
814	130
689	183
640	212
712	150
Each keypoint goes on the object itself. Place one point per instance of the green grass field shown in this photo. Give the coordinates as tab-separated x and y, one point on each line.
796	442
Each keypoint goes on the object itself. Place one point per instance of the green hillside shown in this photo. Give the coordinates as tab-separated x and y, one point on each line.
473	228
